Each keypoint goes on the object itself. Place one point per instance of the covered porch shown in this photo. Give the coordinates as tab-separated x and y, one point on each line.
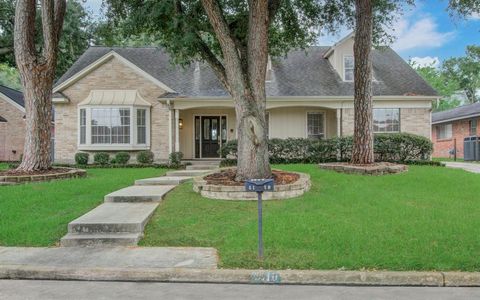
200	127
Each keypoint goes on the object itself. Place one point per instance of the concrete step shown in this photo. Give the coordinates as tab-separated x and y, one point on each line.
189	173
114	218
100	239
202	167
164	180
215	162
138	193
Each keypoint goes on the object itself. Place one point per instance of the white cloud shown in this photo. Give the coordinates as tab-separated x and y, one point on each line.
426	61
422	33
474	16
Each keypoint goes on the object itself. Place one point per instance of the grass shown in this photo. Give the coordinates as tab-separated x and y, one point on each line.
37	214
425	219
446	159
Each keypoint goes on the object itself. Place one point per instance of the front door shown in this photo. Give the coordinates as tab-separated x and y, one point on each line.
210	133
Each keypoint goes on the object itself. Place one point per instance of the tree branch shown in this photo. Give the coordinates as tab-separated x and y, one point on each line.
6	50
24	32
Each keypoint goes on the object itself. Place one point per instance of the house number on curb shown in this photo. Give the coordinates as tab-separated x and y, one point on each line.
265	277
259	186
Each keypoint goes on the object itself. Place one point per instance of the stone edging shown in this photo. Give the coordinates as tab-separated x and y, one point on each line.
71	173
222	192
365	170
303	277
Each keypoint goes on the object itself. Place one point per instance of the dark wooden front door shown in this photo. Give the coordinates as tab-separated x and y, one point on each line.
210	133
210	136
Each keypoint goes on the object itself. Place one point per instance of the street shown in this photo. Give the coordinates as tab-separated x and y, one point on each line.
38	289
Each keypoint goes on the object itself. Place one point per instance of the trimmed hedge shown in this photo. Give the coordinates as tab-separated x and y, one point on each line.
175	159
394	147
81	158
101	158
145	157
122	158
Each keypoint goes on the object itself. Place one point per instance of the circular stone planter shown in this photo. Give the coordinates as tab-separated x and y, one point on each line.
64	173
381	168
228	192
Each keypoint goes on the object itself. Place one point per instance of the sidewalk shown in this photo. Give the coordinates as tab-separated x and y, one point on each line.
470	167
192	265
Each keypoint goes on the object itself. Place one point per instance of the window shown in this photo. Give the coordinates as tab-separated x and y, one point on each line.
315	125
113	128
473	127
83	126
110	126
348	67
141	126
386	120
444	131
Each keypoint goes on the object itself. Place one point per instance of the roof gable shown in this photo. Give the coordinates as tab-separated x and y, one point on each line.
79	71
13	97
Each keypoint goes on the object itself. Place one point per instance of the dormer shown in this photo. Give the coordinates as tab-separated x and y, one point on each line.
340	56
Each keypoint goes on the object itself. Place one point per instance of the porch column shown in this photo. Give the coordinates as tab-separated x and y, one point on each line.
339	122
177	130
170	131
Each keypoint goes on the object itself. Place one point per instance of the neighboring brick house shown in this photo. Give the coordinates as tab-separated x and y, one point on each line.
449	128
132	99
12	124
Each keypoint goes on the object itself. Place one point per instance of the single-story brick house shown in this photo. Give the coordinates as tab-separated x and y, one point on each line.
131	99
450	127
12	124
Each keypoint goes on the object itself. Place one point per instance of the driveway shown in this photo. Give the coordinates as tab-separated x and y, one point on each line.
470	167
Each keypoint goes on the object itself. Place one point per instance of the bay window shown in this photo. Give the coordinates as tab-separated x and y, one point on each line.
113	128
386	120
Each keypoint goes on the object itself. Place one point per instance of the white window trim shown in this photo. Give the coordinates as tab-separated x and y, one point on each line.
438	129
344	68
324	121
399	119
133	145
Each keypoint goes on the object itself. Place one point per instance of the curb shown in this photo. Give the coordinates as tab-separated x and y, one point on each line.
307	277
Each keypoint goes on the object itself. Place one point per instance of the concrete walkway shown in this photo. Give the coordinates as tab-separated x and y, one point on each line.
121	220
469	167
131	258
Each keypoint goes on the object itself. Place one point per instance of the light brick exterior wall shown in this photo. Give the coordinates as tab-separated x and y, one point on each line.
460	130
12	133
412	120
113	74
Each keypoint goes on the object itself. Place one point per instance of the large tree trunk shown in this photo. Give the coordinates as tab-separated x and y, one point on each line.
38	118
362	152
243	73
37	72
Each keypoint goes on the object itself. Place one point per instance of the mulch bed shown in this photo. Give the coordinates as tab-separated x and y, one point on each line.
14	172
227	177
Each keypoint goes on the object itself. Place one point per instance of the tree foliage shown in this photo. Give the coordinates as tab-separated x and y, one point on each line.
78	31
465	71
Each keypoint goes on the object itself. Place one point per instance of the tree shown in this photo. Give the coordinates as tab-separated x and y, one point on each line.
234	37
465	71
445	87
9	77
362	152
78	31
37	72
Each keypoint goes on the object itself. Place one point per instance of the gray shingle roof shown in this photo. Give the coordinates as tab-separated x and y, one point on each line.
461	112
301	73
15	95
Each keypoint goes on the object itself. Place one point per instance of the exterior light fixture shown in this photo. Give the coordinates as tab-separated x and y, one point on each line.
180	123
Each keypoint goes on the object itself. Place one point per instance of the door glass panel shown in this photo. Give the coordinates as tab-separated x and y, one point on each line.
197	128
214	129
206	129
224	129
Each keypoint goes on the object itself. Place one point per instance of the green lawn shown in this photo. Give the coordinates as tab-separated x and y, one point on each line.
446	159
425	219
37	214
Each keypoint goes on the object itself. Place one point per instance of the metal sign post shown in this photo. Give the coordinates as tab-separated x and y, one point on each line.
259	186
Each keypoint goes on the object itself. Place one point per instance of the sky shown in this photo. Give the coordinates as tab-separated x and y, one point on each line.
425	33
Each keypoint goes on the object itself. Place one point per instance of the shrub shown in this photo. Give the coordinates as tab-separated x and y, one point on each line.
81	158
175	159
394	147
122	158
145	157
101	158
